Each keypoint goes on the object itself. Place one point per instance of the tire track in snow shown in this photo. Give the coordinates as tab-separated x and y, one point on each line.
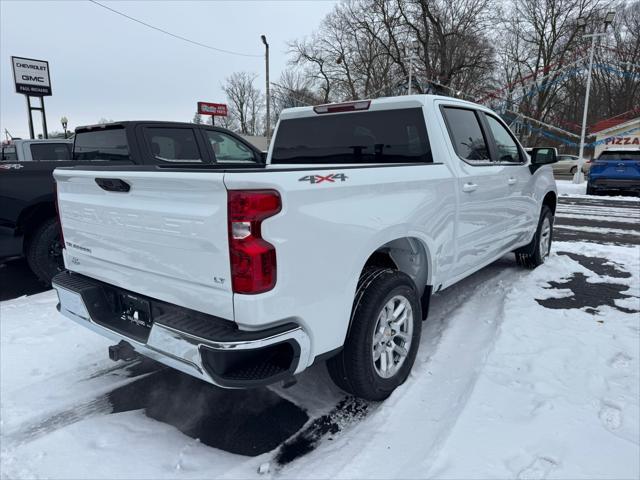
456	339
97	405
50	423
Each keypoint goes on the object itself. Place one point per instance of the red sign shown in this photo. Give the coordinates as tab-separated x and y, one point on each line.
214	109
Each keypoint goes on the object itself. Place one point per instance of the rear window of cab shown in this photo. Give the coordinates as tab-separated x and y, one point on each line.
379	136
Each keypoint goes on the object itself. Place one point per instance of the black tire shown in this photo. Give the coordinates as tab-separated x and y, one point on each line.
573	170
530	256
353	369
44	251
591	190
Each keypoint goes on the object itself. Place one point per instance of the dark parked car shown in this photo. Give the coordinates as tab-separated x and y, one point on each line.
28	221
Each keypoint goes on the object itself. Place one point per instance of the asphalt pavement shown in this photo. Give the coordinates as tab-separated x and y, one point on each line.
600	220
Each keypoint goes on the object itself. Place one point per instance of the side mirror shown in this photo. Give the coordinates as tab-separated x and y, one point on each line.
541	156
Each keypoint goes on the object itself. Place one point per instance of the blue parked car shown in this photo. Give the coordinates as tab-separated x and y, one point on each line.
615	170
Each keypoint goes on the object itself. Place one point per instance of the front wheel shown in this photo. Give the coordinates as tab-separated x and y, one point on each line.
44	251
383	338
537	251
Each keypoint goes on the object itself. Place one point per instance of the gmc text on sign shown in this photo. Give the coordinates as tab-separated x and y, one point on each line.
31	76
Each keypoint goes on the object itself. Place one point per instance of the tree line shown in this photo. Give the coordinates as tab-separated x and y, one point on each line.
524	58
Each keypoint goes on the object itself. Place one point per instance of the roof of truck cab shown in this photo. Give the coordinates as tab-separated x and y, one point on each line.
384	103
124	123
23	141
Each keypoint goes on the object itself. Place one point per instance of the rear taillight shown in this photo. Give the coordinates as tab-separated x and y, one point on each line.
55	193
253	259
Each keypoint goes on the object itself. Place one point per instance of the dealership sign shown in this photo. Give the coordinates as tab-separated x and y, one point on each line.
31	76
213	109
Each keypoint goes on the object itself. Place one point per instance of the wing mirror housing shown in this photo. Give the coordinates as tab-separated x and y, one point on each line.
541	156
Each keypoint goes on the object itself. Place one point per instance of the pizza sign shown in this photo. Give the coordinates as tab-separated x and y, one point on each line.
622	141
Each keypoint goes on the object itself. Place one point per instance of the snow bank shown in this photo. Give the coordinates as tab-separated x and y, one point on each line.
567	188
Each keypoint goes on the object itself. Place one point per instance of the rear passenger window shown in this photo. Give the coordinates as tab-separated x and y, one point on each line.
466	135
101	144
173	144
508	151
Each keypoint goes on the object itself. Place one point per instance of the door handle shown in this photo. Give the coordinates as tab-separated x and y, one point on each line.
469	187
113	184
512	181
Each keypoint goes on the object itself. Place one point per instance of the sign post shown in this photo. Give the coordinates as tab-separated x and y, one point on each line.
32	80
213	109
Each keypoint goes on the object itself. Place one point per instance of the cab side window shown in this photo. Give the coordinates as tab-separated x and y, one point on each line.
466	135
173	144
507	148
228	149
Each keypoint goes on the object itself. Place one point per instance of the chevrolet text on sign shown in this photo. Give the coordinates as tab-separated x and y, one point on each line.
31	76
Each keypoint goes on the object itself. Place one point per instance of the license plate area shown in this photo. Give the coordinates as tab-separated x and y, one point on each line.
124	312
135	310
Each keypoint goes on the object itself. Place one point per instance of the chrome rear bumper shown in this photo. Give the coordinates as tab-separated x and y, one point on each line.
204	350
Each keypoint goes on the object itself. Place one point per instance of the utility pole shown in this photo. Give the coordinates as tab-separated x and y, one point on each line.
266	65
414	46
578	177
410	73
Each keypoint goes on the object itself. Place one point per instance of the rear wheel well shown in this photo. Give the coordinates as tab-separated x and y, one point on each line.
407	255
32	217
550	200
380	258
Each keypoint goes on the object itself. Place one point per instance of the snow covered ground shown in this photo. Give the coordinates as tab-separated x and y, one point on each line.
520	374
579	190
567	187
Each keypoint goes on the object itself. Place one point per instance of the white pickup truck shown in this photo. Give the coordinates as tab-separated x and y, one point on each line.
246	276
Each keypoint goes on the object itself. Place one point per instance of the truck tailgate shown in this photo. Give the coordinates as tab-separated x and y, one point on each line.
166	237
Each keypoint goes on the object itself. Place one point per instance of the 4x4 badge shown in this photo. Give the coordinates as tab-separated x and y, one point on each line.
331	178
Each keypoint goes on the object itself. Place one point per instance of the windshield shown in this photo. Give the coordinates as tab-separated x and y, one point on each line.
102	144
620	156
386	136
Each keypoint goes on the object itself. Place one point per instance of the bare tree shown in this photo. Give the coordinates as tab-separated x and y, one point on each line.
521	57
294	88
616	78
245	102
544	47
362	47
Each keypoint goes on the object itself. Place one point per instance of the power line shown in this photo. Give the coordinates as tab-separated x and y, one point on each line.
179	37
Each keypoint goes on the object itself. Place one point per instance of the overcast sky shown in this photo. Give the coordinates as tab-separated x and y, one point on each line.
106	66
